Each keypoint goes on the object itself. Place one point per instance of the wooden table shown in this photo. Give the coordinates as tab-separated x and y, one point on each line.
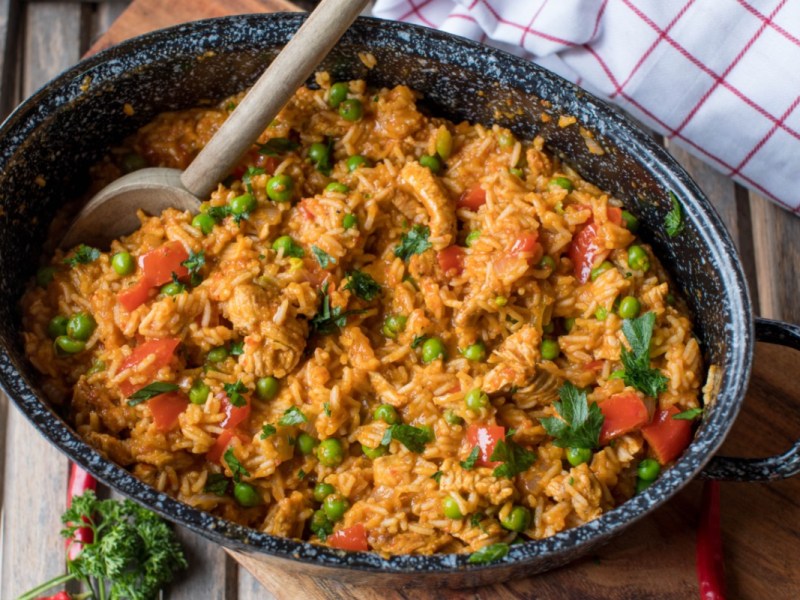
654	559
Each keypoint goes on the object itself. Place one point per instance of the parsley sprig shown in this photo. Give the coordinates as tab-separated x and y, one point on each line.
323	258
515	458
328	319
235	391
579	425
413	438
413	242
362	285
638	373
470	461
292	416
194	264
151	391
237	469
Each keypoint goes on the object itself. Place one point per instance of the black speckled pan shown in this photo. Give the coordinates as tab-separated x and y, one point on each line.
62	129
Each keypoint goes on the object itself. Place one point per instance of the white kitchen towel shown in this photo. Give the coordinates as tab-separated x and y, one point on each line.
718	77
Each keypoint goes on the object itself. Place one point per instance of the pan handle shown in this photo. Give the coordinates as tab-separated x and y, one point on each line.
772	468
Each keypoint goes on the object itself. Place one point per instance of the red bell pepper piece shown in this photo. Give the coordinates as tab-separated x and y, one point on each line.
710	572
472	199
666	436
622	413
166	408
163	350
485	437
583	251
157	268
451	259
350	538
79	482
219	447
62	595
614	214
235	414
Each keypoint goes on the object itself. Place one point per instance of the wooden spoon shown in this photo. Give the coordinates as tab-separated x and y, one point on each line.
111	213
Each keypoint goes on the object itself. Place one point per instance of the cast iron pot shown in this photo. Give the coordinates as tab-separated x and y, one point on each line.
67	125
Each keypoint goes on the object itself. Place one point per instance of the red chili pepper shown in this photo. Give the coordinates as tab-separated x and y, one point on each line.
710	573
79	482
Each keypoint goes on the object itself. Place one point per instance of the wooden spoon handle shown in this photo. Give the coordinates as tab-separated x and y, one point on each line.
271	92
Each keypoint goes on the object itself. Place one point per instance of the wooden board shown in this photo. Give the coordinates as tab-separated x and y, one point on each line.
653	559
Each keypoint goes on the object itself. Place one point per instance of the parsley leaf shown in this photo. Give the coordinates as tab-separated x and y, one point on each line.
151	391
323	258
83	255
234	465
469	463
234	392
301	474
267	431
237	348
418	341
292	416
488	554
326	407
515	458
580	424
638	373
247	178
413	438
362	285
179	287
276	146
194	263
328	319
437	477
688	415
673	222
218	213
413	242
216	483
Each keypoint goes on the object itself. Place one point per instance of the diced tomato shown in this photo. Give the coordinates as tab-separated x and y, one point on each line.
163	350
350	538
166	408
472	199
667	437
158	265
219	447
525	243
594	365
451	259
614	215
583	251
235	414
136	295
485	437
623	413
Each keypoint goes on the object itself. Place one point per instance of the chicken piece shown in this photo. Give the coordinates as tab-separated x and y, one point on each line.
424	186
396	114
515	361
359	349
286	518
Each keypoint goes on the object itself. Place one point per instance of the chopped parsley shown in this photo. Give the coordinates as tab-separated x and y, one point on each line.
237	348
469	463
638	373
413	242
218	213
418	341
267	431
194	263
83	255
487	554
579	425
688	415
673	222
437	477
151	391
234	392
475	520
301	474
514	457
292	416
362	285
216	483
328	319
413	438
326	408
234	465
323	258
277	146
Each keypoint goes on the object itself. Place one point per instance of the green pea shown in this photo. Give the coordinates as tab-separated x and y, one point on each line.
431	162
642	485
394	324
67	345
638	259
356	161
172	289
451	418
472	238
81	326
243	204
599	270
351	110
569	323
517	172
335	506
330	452
373	453
631	222
518	519
386	413
475	352
306	443
561	182
550	349
57	326
280	188
500	300
44	276
444	143
629	308
506	139
285	243
338	187
198	393
476	399
338	94
319	154
133	162
578	456
450	508
547	262
320	524
204	222
246	494
122	263
267	388
648	469
322	491
217	354
349	221
432	349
